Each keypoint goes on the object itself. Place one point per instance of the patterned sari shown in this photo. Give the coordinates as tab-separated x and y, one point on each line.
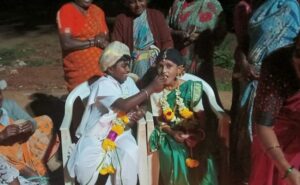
144	52
197	15
173	155
80	65
35	152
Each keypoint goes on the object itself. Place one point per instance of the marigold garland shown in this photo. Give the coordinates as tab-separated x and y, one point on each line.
109	145
184	112
169	114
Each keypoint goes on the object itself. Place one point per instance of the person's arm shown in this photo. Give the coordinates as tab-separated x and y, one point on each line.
125	105
17	113
65	21
270	144
68	43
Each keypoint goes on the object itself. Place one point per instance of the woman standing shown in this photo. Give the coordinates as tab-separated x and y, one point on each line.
275	148
144	31
181	136
196	28
83	35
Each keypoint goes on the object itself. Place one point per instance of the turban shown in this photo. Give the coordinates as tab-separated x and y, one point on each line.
113	53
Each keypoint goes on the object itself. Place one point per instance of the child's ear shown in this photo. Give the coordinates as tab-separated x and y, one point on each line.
180	70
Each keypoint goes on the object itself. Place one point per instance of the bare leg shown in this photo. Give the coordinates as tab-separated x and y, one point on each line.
15	182
28	172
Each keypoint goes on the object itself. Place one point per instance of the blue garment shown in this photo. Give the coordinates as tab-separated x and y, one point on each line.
273	25
15	112
144	52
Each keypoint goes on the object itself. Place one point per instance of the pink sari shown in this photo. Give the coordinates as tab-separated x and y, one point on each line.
287	129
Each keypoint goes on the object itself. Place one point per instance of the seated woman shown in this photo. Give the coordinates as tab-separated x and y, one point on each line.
26	143
145	32
106	144
180	136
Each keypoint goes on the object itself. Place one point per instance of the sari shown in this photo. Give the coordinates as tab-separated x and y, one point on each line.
144	52
173	155
34	152
264	40
287	129
197	15
277	105
81	65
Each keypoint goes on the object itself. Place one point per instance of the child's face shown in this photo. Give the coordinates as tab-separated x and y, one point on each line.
169	70
119	71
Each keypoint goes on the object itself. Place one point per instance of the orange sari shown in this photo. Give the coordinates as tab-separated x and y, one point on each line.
35	152
80	65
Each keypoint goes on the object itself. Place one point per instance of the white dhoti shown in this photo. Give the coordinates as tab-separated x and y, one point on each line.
88	154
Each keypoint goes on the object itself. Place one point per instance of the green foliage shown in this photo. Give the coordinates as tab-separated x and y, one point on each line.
20	55
223	54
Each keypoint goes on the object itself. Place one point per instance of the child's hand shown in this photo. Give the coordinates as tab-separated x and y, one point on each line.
179	136
192	140
136	114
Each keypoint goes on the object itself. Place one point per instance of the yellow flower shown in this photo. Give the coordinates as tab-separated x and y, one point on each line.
168	114
192	163
125	119
118	129
186	113
108	145
107	170
103	171
110	169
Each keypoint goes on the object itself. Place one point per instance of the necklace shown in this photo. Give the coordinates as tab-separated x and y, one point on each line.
169	114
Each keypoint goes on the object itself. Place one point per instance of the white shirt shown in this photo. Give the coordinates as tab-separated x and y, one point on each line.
104	92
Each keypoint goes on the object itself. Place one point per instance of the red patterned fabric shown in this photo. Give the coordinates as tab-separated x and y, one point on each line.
287	129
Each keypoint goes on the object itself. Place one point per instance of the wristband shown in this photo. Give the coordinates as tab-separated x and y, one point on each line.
287	172
272	147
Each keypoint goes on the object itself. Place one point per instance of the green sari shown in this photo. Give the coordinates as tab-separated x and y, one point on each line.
172	155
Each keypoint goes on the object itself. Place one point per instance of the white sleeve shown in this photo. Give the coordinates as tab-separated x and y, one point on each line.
108	93
132	87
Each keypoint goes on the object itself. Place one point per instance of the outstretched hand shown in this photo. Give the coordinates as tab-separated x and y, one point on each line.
179	136
157	85
136	114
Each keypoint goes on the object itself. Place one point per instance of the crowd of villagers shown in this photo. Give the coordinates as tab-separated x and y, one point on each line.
165	66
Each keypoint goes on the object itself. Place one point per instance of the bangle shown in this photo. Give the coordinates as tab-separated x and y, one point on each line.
146	92
287	172
272	147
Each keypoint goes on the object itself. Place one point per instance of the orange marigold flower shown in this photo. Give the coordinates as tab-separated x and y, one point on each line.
121	114
192	163
168	114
